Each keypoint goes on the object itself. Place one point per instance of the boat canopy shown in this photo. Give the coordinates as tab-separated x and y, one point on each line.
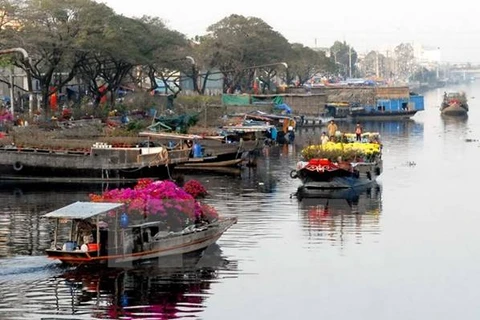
83	210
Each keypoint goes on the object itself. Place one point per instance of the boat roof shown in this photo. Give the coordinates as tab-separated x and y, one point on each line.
246	128
83	210
180	136
169	135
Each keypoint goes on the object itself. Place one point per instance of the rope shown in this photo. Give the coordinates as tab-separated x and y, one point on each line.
240	147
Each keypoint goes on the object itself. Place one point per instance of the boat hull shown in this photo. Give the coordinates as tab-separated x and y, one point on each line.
317	182
454	110
102	166
382	115
179	244
233	159
349	194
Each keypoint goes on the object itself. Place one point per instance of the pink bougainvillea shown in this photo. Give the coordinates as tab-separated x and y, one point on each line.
162	201
195	188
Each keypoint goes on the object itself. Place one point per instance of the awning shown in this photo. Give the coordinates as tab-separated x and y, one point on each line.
83	210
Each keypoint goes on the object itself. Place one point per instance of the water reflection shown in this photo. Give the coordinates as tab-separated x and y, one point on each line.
342	216
387	129
147	292
23	231
454	122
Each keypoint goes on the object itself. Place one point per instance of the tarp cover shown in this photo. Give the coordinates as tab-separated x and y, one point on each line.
83	210
236	99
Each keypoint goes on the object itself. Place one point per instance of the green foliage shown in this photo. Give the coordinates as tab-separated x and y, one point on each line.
340	54
305	62
239	42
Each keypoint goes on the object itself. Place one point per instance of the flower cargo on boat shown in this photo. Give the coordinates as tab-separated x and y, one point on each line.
354	151
162	201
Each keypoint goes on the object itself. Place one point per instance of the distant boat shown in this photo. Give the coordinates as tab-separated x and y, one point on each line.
454	104
365	103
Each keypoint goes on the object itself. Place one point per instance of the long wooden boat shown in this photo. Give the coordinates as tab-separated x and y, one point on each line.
117	245
208	151
98	164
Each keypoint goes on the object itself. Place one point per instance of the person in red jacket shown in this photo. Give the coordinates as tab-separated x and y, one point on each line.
358	132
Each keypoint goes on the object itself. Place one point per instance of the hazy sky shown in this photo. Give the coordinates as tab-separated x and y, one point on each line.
366	25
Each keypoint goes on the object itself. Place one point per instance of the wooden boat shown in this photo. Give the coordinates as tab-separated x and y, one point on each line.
322	173
118	244
277	128
101	162
207	151
373	103
454	104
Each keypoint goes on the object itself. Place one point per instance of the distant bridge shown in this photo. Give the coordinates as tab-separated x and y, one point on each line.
466	71
470	71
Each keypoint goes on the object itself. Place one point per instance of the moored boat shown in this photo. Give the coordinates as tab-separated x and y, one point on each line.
117	233
339	165
454	104
370	103
207	152
100	162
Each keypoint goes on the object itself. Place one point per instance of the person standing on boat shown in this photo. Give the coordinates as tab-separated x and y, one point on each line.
358	132
332	129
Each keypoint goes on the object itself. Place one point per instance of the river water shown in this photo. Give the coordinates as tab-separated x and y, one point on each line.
404	249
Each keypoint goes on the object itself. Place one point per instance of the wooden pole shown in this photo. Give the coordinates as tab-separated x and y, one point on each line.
55	234
98	235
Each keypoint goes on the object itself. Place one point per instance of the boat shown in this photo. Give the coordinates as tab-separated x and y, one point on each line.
100	162
454	104
391	103
113	234
345	164
206	152
365	103
276	128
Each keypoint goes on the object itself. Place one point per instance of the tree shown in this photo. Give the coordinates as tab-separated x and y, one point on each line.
405	59
374	64
163	53
304	63
344	56
239	43
53	33
111	55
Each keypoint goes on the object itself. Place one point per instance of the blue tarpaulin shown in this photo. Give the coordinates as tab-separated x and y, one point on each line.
285	107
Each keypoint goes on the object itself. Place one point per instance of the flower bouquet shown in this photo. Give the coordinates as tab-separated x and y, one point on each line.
160	201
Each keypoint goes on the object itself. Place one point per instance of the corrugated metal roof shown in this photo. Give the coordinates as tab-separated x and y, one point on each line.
83	210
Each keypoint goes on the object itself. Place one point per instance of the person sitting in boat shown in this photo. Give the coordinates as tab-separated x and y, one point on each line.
345	165
188	144
324	138
87	239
